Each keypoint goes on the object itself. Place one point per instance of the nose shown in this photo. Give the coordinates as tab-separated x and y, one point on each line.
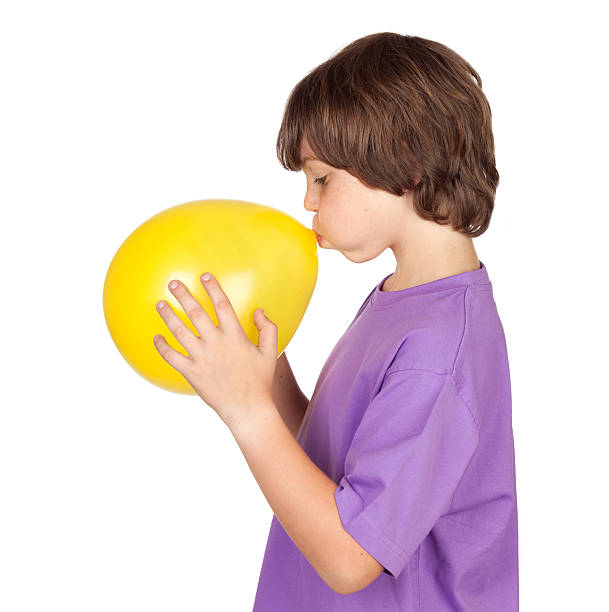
310	201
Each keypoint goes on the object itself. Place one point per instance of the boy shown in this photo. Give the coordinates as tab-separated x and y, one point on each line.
411	415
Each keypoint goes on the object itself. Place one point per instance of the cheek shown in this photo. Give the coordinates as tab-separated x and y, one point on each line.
332	209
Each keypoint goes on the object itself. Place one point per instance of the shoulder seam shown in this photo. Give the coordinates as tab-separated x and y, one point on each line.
452	374
417	370
466	404
448	374
462	333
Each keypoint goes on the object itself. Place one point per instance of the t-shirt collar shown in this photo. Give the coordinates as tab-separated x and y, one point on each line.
382	299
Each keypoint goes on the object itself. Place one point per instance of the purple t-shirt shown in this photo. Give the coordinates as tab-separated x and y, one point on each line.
412	418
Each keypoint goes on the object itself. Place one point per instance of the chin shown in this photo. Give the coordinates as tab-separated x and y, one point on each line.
359	257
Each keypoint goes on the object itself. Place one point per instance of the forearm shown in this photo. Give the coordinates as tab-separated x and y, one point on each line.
290	401
299	493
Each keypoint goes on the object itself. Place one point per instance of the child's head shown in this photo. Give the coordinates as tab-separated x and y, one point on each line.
399	121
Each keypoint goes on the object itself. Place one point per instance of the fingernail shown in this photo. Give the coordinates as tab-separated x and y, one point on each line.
206	276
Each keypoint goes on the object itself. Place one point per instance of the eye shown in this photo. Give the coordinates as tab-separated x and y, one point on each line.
320	181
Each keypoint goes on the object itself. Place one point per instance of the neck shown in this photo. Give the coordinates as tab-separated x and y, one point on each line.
424	263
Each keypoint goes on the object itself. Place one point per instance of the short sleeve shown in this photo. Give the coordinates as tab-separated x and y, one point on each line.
407	456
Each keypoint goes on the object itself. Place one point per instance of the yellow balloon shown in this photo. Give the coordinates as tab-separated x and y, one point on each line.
262	258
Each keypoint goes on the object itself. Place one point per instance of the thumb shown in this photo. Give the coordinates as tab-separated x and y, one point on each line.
267	333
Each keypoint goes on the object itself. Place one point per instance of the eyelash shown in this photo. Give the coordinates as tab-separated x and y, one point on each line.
320	181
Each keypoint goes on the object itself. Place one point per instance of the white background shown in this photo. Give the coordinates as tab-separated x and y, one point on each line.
116	495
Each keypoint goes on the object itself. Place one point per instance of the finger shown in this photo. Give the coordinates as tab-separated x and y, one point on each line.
174	358
193	309
227	318
176	326
267	333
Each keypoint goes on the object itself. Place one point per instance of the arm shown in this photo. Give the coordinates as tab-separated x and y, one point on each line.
302	498
291	402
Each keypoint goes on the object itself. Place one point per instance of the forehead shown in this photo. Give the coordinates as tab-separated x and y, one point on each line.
310	160
306	153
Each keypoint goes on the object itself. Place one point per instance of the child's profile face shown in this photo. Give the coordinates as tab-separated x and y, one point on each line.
351	217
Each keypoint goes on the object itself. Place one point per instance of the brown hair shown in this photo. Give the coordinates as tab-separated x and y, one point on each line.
400	112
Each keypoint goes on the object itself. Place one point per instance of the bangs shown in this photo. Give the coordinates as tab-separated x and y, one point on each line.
322	108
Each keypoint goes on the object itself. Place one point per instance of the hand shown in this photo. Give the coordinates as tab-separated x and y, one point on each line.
224	367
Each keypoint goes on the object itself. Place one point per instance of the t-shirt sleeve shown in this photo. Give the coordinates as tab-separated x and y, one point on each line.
407	456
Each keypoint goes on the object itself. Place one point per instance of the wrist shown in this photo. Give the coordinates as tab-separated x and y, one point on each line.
253	420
